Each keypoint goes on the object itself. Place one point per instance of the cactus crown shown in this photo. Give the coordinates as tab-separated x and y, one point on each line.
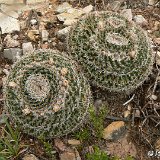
46	95
115	53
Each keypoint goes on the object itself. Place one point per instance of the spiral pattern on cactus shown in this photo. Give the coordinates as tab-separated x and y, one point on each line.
114	53
46	94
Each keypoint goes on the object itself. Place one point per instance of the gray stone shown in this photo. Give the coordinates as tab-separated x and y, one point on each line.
27	47
63	32
3	118
45	35
140	20
127	13
115	5
63	7
12	53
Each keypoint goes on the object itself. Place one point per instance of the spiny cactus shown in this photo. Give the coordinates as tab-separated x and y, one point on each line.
114	53
46	95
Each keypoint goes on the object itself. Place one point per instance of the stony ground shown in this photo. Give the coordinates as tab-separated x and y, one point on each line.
31	25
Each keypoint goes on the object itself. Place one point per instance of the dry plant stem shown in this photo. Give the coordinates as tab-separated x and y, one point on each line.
129	100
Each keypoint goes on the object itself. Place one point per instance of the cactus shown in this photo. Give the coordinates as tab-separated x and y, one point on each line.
114	53
46	94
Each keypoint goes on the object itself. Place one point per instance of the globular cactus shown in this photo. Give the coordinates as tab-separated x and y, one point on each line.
114	53
46	94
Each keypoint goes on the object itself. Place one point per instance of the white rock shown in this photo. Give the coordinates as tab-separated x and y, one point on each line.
5	71
10	1
33	21
63	7
63	32
69	22
10	42
127	13
71	13
35	1
27	47
139	19
8	24
12	53
151	2
158	58
88	9
154	97
30	157
45	35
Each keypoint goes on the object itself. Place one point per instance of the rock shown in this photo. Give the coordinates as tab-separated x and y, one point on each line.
63	32
70	155
137	113
88	9
151	2
158	58
157	144
157	40
59	144
69	22
122	148
154	97
74	142
45	45
3	117
156	26
1	71
140	20
114	130
127	13
98	103
10	1
127	114
30	157
45	35
5	71
129	107
63	7
27	47
10	43
71	14
8	24
33	35
33	21
35	1
115	5
12	53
